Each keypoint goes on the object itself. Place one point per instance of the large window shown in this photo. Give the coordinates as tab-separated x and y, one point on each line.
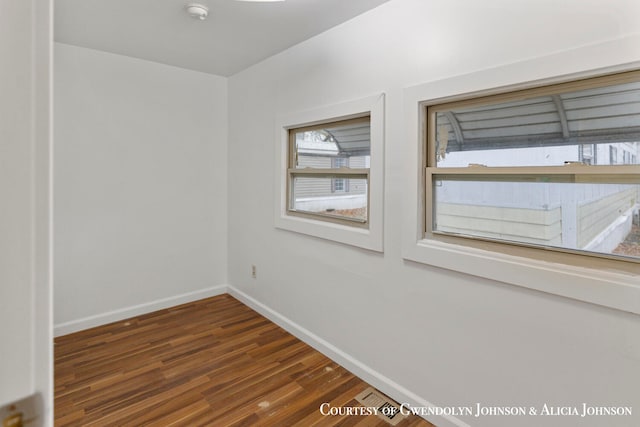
552	167
329	171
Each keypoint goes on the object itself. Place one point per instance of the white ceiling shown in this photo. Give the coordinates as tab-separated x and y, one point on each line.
236	35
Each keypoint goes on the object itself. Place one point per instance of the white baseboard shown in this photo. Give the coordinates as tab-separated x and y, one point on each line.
135	310
377	380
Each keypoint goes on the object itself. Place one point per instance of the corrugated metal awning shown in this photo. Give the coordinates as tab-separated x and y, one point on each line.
340	141
353	140
607	114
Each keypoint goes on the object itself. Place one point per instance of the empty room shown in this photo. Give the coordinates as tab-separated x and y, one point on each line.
320	212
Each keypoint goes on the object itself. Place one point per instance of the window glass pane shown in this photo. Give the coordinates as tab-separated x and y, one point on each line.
346	145
594	217
333	196
597	126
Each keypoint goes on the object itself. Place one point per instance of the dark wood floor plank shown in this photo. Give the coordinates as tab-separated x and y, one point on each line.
213	362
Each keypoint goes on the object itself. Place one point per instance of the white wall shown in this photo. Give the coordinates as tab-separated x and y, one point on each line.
140	185
25	284
450	338
15	189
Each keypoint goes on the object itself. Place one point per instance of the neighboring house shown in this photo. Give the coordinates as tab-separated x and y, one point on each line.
326	150
589	216
332	187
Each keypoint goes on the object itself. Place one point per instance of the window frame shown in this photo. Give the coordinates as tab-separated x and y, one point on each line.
333	173
618	171
348	232
597	282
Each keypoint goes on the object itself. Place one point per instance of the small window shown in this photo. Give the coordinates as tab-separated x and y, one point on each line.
328	171
552	167
340	185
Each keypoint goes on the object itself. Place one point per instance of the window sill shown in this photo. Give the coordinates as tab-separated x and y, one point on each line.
349	235
607	288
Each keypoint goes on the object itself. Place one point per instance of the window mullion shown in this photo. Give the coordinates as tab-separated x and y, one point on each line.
558	174
342	172
569	169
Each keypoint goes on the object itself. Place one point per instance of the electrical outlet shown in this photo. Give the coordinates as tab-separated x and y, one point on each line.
254	273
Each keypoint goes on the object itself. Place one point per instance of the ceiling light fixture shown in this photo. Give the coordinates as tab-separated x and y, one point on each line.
197	11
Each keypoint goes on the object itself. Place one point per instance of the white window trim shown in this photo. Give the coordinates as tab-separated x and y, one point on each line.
370	238
613	289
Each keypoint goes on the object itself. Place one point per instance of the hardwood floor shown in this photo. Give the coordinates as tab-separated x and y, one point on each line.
214	362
